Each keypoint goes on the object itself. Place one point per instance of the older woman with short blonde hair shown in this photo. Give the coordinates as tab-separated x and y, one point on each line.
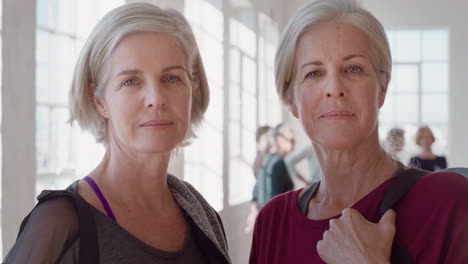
333	66
426	159
140	88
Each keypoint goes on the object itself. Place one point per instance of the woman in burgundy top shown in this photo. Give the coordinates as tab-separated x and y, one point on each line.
332	69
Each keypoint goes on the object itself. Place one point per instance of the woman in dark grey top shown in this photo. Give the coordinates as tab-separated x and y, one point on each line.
139	87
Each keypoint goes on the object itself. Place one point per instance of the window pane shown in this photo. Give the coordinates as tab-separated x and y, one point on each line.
212	53
435	45
249	112
243	37
387	112
42	13
241	182
212	20
87	16
406	78
407	108
391	36
65	59
234	139
234	67
235	102
66	16
434	108
408	46
42	138
42	66
435	77
249	76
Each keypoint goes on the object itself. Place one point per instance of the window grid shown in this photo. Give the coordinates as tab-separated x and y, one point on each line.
408	55
63	152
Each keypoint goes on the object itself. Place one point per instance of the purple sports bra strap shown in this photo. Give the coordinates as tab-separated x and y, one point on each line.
101	197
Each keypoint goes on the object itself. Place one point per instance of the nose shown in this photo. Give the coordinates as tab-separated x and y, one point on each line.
154	97
335	86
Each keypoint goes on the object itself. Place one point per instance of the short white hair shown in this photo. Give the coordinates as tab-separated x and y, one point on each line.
109	31
322	11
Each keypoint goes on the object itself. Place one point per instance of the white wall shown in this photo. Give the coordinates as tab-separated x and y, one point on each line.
18	115
430	14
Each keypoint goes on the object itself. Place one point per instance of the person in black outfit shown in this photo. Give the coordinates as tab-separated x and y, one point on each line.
427	160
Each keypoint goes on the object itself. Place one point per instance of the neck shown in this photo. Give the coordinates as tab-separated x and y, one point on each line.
134	179
427	149
349	174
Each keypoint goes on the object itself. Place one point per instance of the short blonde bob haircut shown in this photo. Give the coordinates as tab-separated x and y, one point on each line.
323	11
109	31
420	133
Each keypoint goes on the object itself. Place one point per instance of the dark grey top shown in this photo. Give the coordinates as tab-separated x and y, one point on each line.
51	235
116	245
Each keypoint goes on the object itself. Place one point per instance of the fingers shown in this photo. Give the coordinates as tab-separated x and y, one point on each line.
325	249
388	218
387	224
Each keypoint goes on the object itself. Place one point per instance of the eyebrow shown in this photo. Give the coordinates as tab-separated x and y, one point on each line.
136	71
354	56
346	58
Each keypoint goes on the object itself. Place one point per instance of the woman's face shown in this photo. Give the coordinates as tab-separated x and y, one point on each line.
285	141
337	93
426	139
148	94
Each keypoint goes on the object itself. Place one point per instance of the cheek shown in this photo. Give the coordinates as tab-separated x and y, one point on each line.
183	105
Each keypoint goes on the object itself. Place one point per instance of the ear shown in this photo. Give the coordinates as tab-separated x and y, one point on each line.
100	105
384	80
291	102
293	109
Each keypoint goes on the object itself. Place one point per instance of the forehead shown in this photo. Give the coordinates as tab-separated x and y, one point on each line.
331	40
147	49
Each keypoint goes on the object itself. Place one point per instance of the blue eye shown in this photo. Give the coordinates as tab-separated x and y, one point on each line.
354	69
130	82
313	74
172	78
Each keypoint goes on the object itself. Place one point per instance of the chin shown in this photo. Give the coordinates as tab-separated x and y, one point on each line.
335	141
157	147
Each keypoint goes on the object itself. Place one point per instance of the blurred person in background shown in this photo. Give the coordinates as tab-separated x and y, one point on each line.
427	160
308	155
395	142
263	148
272	177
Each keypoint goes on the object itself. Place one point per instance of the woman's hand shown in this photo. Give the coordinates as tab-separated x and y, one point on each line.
353	239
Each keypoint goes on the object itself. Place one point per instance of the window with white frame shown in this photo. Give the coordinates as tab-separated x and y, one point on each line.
64	153
252	97
203	159
252	100
419	89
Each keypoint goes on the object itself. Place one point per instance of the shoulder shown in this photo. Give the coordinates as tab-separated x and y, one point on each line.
51	226
279	205
197	208
58	213
434	197
441	185
435	211
184	189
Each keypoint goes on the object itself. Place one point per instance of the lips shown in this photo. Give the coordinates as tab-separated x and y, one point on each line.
337	114
157	123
